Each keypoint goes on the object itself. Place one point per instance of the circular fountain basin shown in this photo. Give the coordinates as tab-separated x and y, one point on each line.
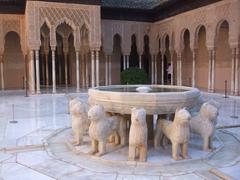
160	99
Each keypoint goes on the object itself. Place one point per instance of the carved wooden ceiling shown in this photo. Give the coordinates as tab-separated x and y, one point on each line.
135	10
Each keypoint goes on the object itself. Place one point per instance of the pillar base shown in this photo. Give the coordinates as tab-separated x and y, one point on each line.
211	90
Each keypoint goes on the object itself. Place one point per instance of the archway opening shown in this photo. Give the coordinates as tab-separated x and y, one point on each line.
146	57
45	57
202	60
65	56
116	59
13	62
134	57
158	59
186	60
85	56
223	58
167	60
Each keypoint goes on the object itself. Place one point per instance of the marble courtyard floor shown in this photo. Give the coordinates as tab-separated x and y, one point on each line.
33	133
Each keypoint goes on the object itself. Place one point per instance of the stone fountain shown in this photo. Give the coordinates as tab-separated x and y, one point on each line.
155	99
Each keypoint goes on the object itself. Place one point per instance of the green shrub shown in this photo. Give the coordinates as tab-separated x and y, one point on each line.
134	76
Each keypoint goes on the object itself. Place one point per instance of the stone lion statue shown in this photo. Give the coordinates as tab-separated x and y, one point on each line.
204	124
177	132
80	122
102	127
138	135
72	102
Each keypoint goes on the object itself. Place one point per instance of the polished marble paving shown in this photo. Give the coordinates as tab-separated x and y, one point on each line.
26	123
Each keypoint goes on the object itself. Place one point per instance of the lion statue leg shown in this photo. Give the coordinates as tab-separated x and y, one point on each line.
78	139
143	153
175	155
94	147
132	153
185	151
206	144
101	148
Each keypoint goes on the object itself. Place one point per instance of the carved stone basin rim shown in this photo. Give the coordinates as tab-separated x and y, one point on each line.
118	99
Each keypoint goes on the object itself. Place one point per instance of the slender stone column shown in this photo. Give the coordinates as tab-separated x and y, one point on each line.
124	62
213	70
93	68
2	74
77	72
43	68
66	68
162	79
53	71
59	69
236	91
32	73
87	72
83	68
47	69
153	59
97	69
172	70
106	70
155	69
127	61
179	69
210	71
110	70
37	71
140	61
233	71
194	68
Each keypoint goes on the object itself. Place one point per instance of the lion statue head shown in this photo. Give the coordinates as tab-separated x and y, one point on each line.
182	116
78	108
138	116
209	111
96	113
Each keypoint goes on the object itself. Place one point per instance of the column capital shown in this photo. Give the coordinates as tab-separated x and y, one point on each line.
140	53
194	49
1	58
53	48
237	51
234	42
126	53
211	48
95	48
179	55
163	50
46	52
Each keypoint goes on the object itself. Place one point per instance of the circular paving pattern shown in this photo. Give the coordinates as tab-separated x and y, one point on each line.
159	161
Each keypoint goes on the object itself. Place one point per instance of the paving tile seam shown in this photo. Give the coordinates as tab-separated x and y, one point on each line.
35	170
236	136
232	163
135	166
53	156
210	155
29	167
12	156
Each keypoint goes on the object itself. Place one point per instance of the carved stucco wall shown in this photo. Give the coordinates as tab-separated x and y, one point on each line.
15	23
53	14
210	17
125	29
